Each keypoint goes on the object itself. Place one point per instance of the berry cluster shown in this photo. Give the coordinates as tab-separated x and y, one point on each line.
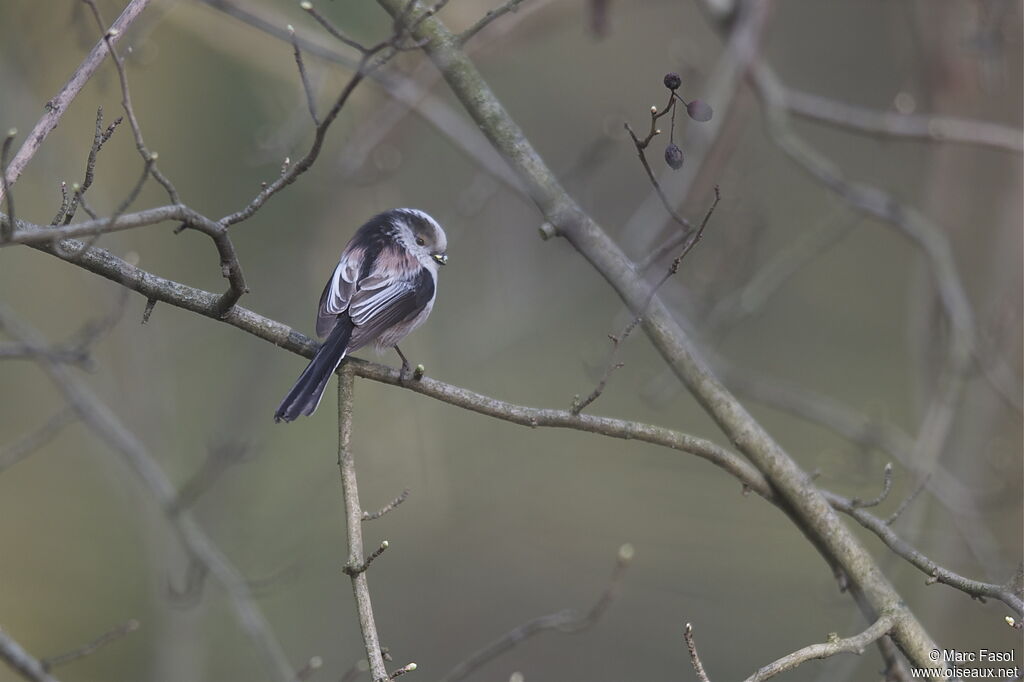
695	109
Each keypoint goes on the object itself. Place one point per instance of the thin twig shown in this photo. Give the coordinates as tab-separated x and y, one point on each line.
93	646
849	645
56	107
886	489
353	522
691	646
148	157
921	487
329	26
367	516
935	572
304	77
100	137
485	20
693	237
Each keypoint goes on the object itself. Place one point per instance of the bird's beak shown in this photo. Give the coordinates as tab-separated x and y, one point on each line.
441	258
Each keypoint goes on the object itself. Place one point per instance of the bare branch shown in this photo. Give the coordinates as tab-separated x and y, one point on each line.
56	241
850	645
356	565
691	646
56	107
148	157
936	573
100	137
194	539
329	26
886	489
304	77
921	487
485	20
367	516
32	441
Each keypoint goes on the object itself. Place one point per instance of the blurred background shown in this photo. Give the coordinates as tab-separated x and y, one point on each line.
790	292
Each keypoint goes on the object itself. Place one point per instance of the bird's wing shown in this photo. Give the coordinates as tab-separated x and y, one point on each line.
339	289
386	302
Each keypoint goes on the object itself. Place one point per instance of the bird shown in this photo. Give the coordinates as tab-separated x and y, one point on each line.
383	287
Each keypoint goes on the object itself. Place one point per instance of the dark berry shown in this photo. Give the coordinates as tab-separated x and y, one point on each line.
673	81
698	110
674	156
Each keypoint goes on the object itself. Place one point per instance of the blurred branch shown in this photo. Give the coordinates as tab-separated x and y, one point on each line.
93	646
740	304
217	461
850	645
936	426
894	124
566	621
21	662
804	502
106	426
20	449
56	107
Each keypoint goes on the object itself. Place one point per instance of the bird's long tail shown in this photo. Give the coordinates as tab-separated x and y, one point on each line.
309	388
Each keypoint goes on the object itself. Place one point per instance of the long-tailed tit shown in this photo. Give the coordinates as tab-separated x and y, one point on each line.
382	288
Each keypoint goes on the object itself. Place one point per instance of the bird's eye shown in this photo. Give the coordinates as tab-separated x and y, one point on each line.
420	241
